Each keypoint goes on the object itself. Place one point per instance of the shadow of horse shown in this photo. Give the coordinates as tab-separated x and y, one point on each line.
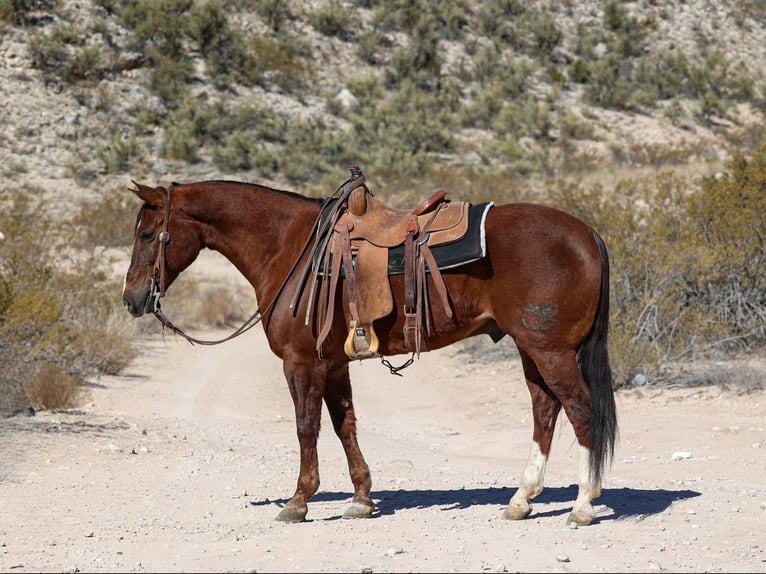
624	503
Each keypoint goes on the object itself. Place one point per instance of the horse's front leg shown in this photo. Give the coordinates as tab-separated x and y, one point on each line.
341	408
307	384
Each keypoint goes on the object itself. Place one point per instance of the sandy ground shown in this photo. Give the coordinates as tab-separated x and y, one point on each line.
182	464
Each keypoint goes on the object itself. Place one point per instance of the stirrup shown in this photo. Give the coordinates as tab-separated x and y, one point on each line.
362	342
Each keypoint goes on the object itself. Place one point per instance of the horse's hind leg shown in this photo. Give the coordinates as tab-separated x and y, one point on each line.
341	408
545	410
564	380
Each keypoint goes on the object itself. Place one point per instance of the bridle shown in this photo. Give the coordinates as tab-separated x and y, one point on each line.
158	280
157	287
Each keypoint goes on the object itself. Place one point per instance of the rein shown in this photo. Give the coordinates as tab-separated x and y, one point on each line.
157	288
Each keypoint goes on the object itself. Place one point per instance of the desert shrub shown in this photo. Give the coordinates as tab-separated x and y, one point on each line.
418	61
311	151
629	31
27	318
283	61
236	152
48	51
274	12
727	229
169	79
158	26
224	49
63	52
117	153
494	18
543	33
54	332
688	264
605	86
334	18
104	221
50	388
405	129
666	72
160	31
371	45
12	11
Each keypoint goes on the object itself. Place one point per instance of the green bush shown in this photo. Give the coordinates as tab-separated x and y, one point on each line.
334	18
283	61
224	49
544	35
161	26
274	12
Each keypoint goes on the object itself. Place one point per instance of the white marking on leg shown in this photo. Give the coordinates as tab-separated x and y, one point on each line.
582	511
531	479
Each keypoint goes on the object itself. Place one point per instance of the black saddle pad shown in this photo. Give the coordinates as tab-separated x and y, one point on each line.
466	250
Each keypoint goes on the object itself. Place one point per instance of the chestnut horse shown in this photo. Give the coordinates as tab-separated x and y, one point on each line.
544	282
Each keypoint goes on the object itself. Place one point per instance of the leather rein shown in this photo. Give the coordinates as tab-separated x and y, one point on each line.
158	279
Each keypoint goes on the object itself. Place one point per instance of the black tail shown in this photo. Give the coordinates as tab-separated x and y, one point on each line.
593	360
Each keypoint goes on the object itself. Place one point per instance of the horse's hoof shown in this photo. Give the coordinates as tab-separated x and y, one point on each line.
359	510
292	514
513	512
580	518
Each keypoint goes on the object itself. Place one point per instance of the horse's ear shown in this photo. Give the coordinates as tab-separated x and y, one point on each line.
150	195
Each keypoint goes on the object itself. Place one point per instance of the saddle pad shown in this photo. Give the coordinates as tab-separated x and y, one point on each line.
471	247
466	250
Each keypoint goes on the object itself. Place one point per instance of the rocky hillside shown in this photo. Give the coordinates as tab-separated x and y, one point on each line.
96	92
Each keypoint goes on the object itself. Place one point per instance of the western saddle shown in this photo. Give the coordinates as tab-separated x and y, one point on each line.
359	231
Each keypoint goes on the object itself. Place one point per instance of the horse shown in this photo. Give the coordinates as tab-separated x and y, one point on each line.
544	281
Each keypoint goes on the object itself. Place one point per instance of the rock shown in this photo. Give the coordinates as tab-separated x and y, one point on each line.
347	100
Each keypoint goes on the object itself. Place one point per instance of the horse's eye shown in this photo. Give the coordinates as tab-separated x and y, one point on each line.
147	236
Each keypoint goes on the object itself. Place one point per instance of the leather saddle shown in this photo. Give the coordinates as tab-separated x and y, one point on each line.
360	232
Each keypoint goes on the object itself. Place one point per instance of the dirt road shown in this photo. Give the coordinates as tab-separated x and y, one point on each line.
182	465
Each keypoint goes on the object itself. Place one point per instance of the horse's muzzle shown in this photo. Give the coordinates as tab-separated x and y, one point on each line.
133	309
138	303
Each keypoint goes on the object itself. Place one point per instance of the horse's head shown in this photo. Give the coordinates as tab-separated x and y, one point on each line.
165	242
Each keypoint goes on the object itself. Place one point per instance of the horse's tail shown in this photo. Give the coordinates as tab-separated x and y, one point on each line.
593	360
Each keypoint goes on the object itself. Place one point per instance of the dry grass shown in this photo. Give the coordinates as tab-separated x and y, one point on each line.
50	388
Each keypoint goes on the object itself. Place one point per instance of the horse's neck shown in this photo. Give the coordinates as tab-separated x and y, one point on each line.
259	229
